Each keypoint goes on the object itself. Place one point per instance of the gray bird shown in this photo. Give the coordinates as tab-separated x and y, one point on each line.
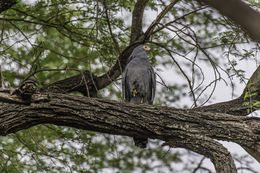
138	83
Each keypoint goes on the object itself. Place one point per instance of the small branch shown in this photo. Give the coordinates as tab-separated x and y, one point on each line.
235	107
183	73
179	18
110	28
150	30
199	165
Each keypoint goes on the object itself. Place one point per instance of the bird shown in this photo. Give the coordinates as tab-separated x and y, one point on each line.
139	82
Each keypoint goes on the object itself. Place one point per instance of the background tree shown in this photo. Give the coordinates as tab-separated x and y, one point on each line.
76	51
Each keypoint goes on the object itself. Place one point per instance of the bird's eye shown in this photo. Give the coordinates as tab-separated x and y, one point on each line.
146	48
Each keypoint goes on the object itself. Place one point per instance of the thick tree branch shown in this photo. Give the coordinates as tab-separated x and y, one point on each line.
86	82
6	4
210	148
241	13
194	129
167	124
83	83
137	20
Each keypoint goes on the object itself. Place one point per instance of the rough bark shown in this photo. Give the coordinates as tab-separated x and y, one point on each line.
137	20
241	13
194	129
168	124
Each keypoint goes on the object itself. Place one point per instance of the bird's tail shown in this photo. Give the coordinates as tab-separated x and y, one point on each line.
136	99
140	142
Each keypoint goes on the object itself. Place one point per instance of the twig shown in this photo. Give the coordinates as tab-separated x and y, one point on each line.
150	30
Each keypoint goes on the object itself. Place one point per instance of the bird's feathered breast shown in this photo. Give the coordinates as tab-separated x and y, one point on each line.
139	78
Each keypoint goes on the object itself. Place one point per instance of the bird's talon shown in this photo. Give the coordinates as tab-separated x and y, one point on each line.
134	92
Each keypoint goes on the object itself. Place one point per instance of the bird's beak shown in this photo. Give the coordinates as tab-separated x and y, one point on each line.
146	48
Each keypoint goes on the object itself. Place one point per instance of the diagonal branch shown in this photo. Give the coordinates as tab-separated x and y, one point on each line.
241	13
150	30
100	82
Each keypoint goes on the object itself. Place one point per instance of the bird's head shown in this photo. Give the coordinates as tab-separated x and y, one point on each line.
140	52
141	48
146	48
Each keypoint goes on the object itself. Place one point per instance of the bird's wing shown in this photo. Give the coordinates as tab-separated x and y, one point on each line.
131	57
152	85
125	88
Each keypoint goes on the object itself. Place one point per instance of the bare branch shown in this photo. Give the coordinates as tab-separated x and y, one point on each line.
241	13
110	28
150	30
235	107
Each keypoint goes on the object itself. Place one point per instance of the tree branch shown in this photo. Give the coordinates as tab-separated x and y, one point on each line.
195	129
241	13
150	30
145	121
137	20
235	107
83	83
6	4
75	83
210	148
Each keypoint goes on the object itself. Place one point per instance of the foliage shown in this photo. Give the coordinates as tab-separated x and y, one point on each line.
49	40
249	100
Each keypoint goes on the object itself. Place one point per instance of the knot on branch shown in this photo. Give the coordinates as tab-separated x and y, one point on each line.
26	89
